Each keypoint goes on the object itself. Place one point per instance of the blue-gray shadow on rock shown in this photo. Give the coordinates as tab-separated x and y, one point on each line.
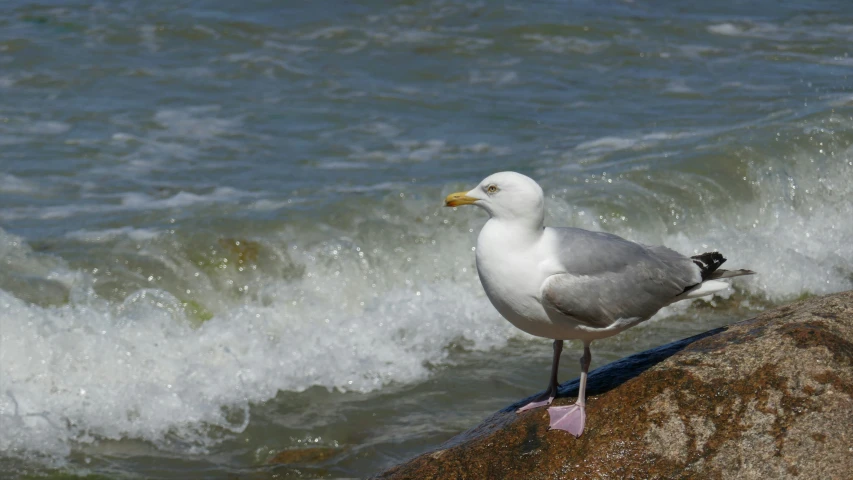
610	376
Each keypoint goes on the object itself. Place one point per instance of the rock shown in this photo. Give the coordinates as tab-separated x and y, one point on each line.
304	456
241	251
769	397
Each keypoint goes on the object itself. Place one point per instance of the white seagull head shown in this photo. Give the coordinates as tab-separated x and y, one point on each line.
508	196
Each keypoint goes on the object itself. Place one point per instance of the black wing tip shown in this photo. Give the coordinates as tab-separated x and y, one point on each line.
708	262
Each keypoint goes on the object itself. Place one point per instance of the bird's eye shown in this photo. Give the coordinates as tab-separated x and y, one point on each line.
492	189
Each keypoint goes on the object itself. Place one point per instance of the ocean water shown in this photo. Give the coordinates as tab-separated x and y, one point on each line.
221	223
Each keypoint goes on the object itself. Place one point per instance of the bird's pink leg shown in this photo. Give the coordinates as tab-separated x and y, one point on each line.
548	396
572	418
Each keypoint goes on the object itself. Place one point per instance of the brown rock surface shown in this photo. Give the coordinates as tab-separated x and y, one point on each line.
769	397
304	456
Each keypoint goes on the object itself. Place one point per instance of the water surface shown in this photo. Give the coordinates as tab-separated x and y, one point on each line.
221	231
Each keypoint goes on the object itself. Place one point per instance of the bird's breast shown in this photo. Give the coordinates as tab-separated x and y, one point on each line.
512	280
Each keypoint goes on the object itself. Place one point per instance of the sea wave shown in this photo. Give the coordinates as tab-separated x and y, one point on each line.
175	334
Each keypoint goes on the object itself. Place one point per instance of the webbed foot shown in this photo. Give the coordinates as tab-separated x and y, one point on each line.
571	418
541	401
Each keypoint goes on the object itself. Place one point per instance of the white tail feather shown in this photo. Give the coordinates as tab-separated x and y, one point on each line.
729	274
705	288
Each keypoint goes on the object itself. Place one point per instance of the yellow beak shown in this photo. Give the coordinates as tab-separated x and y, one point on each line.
459	198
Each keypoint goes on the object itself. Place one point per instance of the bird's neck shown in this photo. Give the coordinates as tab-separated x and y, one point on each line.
530	222
512	232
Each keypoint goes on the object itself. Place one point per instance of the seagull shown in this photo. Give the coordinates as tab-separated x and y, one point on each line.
567	283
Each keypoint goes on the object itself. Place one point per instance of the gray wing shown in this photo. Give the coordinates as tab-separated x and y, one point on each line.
605	278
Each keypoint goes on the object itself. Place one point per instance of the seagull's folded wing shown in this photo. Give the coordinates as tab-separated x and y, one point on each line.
606	278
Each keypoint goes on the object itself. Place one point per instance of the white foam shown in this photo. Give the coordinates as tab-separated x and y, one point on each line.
95	236
795	233
357	317
47	127
195	122
338	165
128	202
395	35
378	187
183	136
729	29
289	48
607	144
678	86
425	150
615	143
842	100
12	184
268	205
142	201
756	30
381	129
22	130
356	320
326	33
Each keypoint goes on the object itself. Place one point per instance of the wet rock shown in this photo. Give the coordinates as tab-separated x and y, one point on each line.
304	456
769	397
241	251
